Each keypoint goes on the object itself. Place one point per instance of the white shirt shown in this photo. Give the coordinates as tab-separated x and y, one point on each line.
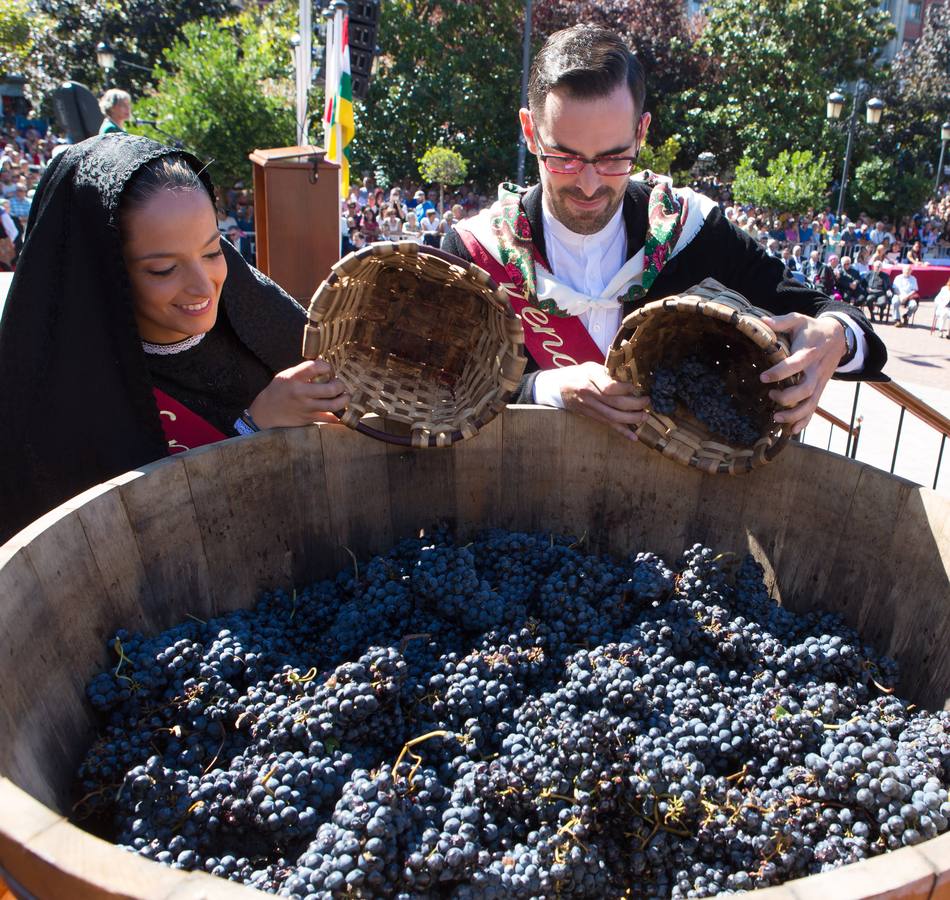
587	263
905	285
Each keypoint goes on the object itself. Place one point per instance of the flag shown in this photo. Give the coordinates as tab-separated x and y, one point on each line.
339	112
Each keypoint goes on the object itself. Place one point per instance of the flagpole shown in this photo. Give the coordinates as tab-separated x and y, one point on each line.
331	68
304	69
340	9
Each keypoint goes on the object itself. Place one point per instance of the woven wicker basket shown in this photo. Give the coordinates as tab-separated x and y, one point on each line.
722	328
426	344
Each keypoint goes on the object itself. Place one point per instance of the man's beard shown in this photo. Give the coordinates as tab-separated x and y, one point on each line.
580	222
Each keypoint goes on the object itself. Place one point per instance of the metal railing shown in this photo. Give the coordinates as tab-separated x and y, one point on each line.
853	430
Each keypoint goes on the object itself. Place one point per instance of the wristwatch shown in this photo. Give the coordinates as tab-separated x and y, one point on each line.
851	345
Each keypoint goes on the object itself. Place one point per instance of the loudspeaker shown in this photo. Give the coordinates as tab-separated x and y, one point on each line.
77	111
364	24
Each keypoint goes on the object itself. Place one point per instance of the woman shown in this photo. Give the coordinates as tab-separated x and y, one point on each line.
390	228
410	228
370	226
132	330
915	256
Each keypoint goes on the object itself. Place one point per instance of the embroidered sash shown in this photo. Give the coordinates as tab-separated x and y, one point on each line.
184	430
501	243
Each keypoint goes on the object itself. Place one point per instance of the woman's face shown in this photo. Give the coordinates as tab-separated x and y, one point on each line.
172	252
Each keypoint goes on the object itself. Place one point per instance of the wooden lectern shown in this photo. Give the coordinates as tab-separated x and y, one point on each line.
296	217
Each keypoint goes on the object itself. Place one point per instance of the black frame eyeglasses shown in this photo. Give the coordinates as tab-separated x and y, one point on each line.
565	164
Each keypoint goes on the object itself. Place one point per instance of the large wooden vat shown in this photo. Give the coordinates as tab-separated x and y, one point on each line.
206	531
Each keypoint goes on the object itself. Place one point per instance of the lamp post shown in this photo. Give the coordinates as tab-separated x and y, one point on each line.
944	137
835	105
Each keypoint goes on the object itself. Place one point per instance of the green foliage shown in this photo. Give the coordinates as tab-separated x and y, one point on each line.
449	74
659	159
66	33
772	63
442	165
16	35
224	90
795	181
882	190
917	93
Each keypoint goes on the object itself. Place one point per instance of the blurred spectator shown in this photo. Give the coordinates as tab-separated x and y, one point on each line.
390	228
396	203
20	205
849	283
879	292
430	226
410	228
225	220
418	198
942	311
370	227
813	266
116	106
906	295
915	256
9	226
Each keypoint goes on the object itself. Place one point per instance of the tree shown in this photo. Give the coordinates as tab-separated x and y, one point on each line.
795	181
883	191
917	93
659	159
442	166
773	63
67	31
449	74
16	35
224	90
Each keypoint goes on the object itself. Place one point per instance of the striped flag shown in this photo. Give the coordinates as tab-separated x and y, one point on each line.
339	110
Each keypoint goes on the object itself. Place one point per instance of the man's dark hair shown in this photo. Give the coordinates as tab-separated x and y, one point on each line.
588	62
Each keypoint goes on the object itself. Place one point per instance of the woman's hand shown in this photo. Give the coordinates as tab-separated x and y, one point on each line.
299	396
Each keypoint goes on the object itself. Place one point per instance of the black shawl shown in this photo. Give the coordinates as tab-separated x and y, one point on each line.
76	398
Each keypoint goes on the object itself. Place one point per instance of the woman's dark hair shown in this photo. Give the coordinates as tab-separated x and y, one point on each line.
588	62
166	173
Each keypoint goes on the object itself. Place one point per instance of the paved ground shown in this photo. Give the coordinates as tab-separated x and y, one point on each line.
918	361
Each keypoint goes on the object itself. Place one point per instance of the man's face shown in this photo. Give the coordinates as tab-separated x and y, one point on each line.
602	126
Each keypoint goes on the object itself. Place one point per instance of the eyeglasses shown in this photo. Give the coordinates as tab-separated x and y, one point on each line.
561	164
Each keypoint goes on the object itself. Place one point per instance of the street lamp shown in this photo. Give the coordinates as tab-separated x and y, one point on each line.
105	56
835	106
944	137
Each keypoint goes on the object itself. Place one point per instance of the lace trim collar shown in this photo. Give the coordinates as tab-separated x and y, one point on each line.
171	349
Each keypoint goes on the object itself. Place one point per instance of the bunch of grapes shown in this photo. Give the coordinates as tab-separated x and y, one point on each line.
702	391
513	718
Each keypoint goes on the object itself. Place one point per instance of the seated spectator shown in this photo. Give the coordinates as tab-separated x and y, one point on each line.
792	234
410	228
861	263
771	248
880	253
942	311
9	226
225	220
20	205
445	226
906	295
390	229
849	283
915	256
827	278
812	267
370	227
879	292
895	254
797	263
877	234
458	212
786	257
431	229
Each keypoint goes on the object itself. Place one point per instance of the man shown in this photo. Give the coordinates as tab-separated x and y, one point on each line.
20	205
879	292
877	233
812	268
575	245
849	283
906	294
116	106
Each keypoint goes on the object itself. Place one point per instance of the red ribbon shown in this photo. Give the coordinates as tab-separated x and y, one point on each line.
184	430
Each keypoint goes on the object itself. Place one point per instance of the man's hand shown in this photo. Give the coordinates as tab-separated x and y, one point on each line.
587	389
817	346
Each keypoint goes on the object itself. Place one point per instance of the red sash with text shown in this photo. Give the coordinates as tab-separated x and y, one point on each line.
184	430
552	341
